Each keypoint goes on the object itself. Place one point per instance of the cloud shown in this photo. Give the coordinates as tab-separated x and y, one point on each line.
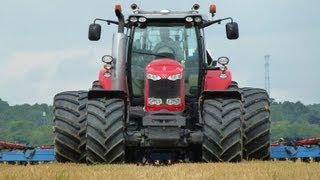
49	52
293	62
29	77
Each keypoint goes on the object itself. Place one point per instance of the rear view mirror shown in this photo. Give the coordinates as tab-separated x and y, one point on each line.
94	32
232	30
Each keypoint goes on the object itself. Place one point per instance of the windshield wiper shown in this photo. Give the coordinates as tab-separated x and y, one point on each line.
154	54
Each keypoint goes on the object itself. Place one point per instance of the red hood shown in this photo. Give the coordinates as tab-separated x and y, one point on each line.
164	67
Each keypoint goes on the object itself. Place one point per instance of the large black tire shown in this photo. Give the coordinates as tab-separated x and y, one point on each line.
104	132
256	124
69	126
222	130
96	85
233	85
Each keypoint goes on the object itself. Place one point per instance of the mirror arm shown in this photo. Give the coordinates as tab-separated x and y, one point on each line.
105	20
209	23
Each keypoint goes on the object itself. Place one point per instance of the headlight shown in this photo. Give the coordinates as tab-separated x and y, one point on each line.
197	19
133	19
153	77
107	59
107	74
223	76
189	19
173	101
154	101
175	77
223	60
142	19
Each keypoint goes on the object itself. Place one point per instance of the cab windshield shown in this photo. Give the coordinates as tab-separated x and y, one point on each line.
175	42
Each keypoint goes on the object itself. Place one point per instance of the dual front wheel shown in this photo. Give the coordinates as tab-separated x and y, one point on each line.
105	138
88	131
222	134
235	130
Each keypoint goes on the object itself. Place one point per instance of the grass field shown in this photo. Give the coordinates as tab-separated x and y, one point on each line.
245	170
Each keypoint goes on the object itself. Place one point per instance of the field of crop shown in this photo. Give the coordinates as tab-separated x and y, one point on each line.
245	170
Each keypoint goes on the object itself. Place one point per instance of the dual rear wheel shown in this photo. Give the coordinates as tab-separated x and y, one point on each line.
70	110
256	124
235	130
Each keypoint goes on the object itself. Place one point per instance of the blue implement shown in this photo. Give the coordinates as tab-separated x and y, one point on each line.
282	152
28	155
47	155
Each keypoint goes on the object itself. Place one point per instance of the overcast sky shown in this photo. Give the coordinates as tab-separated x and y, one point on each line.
44	47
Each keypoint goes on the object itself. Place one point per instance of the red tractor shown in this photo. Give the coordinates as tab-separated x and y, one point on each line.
161	96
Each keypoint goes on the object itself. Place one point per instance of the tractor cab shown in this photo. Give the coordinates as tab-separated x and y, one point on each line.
168	46
162	54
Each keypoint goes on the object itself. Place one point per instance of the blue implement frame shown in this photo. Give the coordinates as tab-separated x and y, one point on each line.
47	155
28	155
288	152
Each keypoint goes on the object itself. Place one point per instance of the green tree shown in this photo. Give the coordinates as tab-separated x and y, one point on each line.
18	131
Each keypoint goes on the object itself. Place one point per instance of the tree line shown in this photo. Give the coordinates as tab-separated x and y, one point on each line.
26	124
294	120
32	124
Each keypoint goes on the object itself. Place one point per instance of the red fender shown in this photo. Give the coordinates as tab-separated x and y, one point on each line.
217	80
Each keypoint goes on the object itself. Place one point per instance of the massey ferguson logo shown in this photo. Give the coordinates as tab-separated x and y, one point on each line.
164	76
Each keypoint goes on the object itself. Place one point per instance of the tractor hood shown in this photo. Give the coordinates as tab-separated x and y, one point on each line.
164	68
164	86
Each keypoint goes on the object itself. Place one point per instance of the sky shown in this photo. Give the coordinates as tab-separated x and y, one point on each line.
44	47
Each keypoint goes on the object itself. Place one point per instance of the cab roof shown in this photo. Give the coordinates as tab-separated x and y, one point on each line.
167	14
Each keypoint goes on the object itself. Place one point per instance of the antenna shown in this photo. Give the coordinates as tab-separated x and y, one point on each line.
140	3
267	74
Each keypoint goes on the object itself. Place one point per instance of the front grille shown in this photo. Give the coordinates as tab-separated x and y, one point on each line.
164	89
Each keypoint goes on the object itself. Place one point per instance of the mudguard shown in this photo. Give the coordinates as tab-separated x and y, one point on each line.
106	91
101	93
217	80
228	93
